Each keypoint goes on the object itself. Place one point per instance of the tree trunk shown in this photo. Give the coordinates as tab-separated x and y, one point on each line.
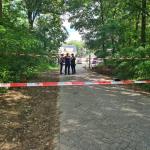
89	61
30	20
102	19
137	28
130	36
137	21
45	44
113	44
1	12
143	24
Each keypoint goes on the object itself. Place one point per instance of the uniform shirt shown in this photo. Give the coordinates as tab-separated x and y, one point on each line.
73	59
67	60
61	60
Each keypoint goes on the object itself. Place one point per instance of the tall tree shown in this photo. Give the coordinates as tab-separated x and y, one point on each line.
35	8
20	45
102	21
1	9
50	31
143	23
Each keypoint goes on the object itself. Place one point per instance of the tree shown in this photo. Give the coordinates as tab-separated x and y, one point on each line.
33	9
27	51
79	45
1	9
143	23
117	29
50	32
36	8
106	25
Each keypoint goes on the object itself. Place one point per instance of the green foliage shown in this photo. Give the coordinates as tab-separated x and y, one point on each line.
19	45
118	29
4	74
137	66
2	30
142	70
78	44
80	47
50	32
101	54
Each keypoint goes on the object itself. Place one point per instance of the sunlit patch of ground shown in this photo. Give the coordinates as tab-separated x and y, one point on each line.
14	96
29	117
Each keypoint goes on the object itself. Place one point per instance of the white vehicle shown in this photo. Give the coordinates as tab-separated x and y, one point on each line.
94	61
79	60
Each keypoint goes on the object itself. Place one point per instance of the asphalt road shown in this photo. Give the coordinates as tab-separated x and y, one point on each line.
102	117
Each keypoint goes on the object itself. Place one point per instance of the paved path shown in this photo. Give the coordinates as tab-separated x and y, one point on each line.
102	117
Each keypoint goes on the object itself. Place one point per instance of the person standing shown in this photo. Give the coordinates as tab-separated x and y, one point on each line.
67	64
73	64
61	62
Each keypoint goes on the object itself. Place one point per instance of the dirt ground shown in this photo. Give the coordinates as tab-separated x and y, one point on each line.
29	117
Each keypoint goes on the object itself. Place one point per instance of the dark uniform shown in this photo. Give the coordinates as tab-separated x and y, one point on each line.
73	64
61	62
67	64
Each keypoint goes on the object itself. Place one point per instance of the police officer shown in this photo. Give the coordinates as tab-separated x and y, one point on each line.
61	62
73	64
67	64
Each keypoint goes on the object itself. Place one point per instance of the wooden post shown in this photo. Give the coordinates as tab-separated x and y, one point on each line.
89	61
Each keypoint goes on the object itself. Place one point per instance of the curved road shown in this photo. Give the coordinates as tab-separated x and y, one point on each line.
102	117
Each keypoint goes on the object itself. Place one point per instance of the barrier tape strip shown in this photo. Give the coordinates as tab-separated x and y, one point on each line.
56	55
47	84
31	55
127	58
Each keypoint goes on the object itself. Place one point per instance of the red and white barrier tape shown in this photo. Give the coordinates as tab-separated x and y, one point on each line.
46	84
128	58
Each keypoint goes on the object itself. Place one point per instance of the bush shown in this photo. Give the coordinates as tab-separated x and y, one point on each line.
136	67
104	69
